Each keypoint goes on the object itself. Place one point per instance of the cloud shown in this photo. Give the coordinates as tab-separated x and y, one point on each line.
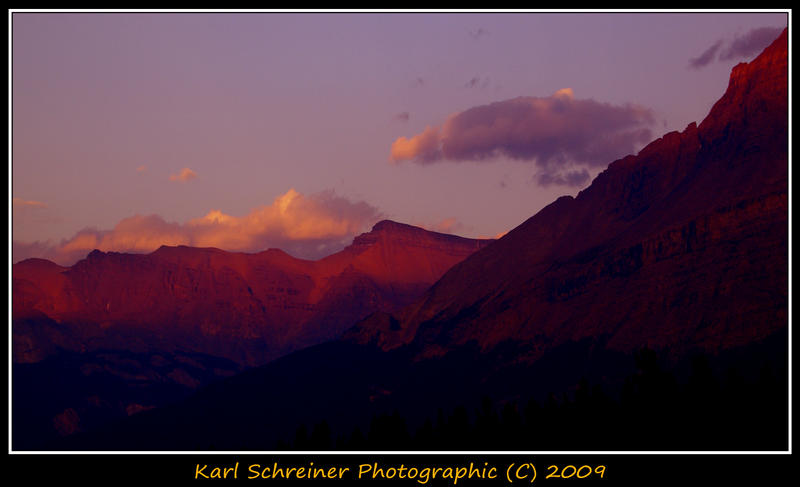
304	226
19	203
141	169
706	57
751	43
402	117
423	147
477	82
553	132
574	178
448	225
492	237
23	250
451	226
496	236
185	175
742	46
478	33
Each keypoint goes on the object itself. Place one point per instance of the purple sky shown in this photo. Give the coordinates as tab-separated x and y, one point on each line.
247	131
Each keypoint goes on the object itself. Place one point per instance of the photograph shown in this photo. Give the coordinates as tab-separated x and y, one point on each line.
416	234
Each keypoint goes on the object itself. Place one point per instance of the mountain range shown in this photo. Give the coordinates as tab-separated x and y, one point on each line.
249	308
118	333
681	249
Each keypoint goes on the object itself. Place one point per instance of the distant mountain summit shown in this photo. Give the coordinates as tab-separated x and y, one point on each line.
682	246
246	307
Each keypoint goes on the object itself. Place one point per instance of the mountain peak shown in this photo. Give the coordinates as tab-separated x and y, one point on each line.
390	225
755	91
389	232
36	265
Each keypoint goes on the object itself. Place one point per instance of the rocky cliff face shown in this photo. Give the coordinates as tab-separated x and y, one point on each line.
246	307
681	246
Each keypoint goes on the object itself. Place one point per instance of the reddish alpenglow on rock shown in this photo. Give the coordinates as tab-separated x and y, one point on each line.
247	307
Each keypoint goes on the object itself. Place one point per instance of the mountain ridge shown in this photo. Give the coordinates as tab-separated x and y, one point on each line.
268	296
686	191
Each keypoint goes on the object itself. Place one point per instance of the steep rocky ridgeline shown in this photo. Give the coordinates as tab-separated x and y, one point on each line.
682	246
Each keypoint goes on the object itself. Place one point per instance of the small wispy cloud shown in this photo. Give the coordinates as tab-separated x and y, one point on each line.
477	82
141	169
742	46
185	175
20	203
706	57
574	179
750	43
402	117
449	225
478	33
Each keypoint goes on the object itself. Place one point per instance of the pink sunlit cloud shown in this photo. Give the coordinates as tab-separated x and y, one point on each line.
305	226
19	203
185	175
